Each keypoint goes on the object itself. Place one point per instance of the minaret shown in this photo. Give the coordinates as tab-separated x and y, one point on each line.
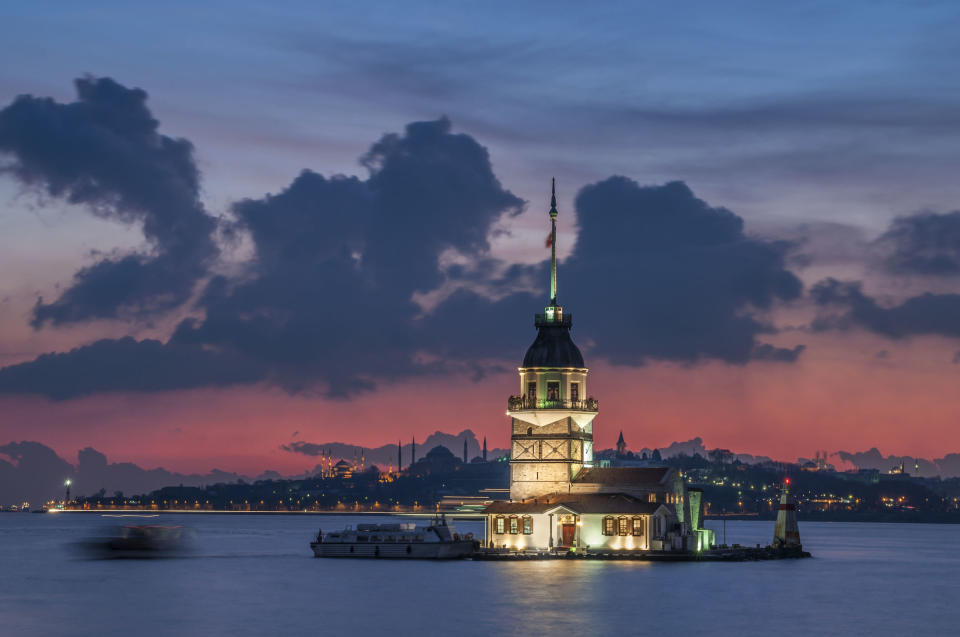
484	448
621	445
786	534
552	420
464	451
399	456
413	452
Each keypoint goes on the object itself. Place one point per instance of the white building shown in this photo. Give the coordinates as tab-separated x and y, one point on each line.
558	498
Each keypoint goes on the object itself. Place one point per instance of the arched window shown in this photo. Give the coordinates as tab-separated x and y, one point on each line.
527	525
501	522
608	528
638	526
623	528
514	527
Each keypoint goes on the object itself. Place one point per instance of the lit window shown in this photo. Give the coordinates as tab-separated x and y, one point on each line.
622	526
527	525
638	527
575	392
500	523
513	525
608	525
651	497
553	390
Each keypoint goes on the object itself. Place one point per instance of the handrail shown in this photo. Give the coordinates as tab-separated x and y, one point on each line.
520	403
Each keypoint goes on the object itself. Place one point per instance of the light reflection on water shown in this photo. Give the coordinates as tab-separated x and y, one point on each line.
254	575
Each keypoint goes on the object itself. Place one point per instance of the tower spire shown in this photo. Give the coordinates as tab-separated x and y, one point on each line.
553	241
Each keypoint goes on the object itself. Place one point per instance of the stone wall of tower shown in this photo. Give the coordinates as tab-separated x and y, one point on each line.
545	459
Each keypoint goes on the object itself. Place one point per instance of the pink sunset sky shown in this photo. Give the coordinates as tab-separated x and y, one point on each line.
758	242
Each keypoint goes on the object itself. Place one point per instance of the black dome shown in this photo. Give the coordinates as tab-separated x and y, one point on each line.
553	348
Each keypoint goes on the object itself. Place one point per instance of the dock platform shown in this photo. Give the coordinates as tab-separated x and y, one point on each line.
731	554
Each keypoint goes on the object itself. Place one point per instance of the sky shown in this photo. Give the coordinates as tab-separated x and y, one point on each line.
228	226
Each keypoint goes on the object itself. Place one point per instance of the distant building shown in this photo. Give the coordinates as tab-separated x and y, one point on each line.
621	446
559	498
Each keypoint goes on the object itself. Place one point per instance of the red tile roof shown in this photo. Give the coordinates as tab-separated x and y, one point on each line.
612	503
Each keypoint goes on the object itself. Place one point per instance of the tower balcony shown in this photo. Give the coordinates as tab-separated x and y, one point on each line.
524	403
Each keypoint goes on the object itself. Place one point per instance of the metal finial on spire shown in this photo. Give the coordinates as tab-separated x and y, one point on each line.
553	241
553	198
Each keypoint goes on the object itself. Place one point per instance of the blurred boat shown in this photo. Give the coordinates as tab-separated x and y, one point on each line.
140	542
437	541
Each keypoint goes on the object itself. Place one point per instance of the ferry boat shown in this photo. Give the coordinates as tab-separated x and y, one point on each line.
438	541
140	542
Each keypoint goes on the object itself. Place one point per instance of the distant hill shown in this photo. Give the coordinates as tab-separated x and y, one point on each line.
386	455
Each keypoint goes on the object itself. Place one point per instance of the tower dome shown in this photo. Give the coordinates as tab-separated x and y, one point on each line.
553	346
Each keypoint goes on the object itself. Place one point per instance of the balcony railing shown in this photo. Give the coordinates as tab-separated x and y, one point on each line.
520	403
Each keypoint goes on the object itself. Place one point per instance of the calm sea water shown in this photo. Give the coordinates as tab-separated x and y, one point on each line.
255	575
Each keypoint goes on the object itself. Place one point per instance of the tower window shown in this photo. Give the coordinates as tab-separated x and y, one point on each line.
575	392
553	390
532	391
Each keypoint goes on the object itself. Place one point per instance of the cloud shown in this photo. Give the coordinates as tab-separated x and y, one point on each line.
925	243
327	303
103	151
125	365
664	275
305	448
339	259
935	314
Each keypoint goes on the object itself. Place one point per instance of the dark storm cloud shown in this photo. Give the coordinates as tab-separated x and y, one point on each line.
338	260
935	314
125	365
667	276
103	151
925	243
656	274
326	302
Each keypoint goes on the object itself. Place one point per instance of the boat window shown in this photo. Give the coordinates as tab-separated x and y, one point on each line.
418	538
622	527
608	525
362	538
513	525
527	525
638	526
501	521
374	538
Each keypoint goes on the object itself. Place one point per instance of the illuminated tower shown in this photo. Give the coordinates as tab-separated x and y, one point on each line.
552	420
786	533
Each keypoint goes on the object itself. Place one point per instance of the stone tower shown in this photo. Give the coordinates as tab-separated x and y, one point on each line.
552	418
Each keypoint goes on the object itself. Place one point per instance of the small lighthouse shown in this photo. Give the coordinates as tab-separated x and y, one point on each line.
786	534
